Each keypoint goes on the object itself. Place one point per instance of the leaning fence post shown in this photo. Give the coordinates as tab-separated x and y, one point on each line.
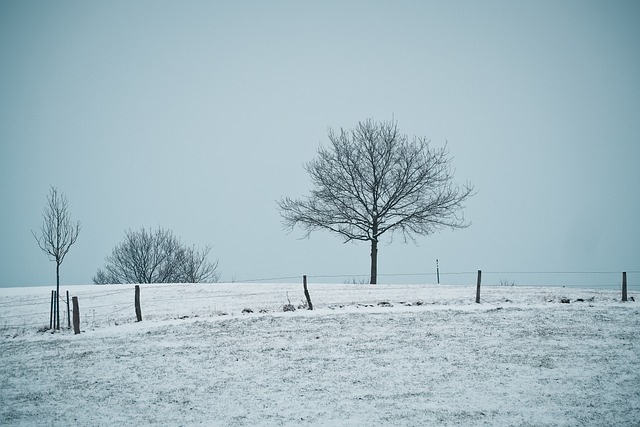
137	302
624	286
478	287
306	292
76	316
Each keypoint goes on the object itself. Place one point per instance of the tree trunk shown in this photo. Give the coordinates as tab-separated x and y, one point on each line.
57	295
374	261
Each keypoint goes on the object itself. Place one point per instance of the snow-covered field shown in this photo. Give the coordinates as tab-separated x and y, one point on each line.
366	355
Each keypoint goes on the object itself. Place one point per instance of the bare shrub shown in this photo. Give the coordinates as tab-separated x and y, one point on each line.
157	257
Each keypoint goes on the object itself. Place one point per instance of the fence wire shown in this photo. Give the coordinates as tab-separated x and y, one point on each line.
590	279
21	312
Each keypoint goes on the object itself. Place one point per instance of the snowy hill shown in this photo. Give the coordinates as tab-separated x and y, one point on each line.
227	354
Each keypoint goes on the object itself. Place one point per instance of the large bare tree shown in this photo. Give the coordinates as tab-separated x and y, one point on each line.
372	180
56	236
156	256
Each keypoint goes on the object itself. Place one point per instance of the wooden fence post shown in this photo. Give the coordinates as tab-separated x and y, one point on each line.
478	287
51	312
624	286
56	311
137	302
68	311
306	292
76	316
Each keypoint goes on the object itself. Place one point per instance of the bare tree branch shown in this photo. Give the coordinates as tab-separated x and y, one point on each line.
157	256
372	180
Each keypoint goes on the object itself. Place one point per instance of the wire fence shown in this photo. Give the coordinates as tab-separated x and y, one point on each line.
22	312
113	305
587	279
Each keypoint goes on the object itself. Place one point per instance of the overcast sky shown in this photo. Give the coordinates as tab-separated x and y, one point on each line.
198	116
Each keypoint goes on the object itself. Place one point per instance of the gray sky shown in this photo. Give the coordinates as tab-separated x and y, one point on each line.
198	116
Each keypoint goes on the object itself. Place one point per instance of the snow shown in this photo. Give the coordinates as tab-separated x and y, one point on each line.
431	356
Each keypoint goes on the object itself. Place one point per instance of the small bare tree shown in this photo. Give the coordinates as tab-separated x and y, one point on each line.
372	180
56	235
156	257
